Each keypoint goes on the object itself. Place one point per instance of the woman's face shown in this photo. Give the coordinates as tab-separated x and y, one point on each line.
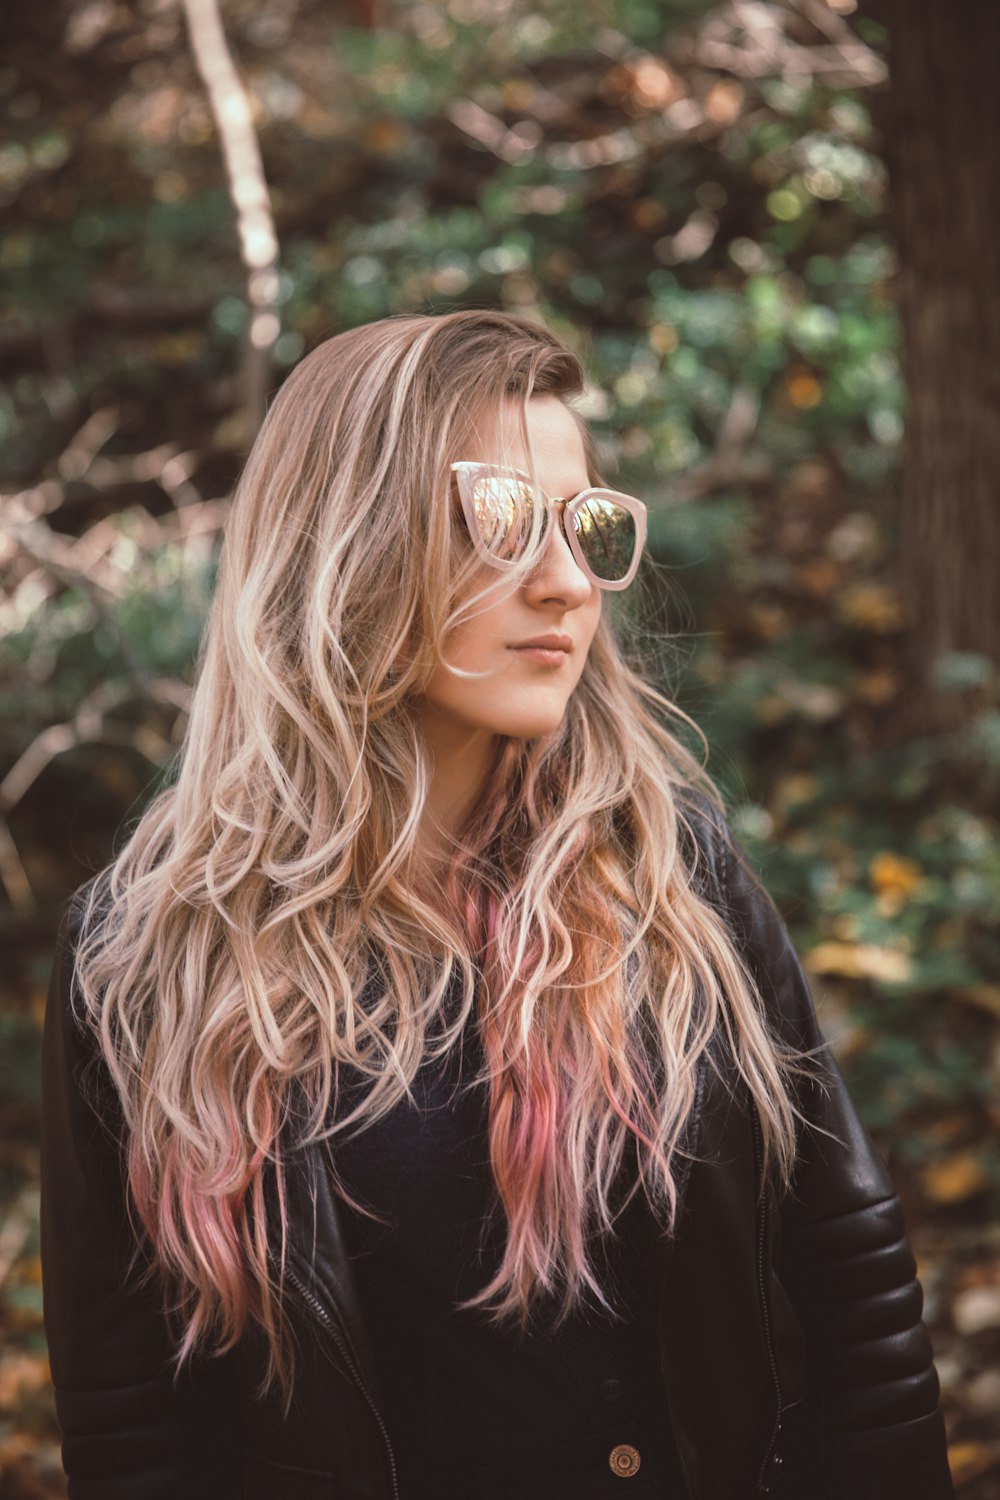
523	696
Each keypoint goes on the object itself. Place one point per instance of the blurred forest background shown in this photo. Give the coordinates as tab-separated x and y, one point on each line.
770	230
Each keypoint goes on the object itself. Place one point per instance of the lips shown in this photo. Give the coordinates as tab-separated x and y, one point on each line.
551	642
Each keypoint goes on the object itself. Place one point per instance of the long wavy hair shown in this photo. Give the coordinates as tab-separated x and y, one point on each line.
228	953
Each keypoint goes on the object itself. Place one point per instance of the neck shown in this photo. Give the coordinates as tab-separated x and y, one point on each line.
461	759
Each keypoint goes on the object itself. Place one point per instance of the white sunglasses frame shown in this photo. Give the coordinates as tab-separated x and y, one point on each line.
467	471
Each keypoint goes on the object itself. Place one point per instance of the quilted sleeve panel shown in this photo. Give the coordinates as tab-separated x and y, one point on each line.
845	1260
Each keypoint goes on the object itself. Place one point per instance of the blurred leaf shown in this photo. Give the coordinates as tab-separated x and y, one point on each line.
860	961
955	1178
969	1460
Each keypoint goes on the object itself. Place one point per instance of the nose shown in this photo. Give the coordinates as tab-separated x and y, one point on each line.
557	575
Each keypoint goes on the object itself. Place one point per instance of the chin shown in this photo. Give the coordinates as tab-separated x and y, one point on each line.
531	727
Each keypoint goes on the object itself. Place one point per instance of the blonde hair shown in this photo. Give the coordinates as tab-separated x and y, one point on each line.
227	947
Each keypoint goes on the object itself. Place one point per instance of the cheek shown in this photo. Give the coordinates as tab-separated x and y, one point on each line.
594	619
488	632
470	650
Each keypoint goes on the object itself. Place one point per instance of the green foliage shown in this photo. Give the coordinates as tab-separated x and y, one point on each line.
78	647
19	1061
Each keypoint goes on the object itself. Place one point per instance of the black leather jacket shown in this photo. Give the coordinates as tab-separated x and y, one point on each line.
794	1358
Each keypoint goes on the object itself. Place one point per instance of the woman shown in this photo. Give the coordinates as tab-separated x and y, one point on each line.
434	1104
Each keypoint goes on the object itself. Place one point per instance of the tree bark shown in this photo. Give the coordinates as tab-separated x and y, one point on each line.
940	118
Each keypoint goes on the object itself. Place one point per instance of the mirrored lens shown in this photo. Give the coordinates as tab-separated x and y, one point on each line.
504	512
607	536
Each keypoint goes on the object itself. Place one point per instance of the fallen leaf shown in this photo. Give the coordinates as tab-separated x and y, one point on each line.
894	872
20	1374
872	607
968	1460
859	961
955	1178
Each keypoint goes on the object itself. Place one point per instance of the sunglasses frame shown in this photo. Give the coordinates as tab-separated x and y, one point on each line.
466	472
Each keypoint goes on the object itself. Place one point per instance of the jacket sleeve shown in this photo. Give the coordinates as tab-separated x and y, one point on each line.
129	1432
845	1258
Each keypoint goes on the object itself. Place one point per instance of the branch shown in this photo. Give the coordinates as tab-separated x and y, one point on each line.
750	40
249	195
13	876
36	558
89	725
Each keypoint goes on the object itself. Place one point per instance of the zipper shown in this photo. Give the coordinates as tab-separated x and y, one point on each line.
758	1157
330	1324
660	1285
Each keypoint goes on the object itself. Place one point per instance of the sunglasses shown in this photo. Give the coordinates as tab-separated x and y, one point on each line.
605	530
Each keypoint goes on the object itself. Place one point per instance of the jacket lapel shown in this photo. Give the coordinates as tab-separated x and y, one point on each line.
317	1250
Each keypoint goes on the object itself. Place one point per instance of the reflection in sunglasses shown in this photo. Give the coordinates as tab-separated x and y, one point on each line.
607	537
504	510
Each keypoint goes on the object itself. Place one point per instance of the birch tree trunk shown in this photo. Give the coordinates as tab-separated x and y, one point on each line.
250	199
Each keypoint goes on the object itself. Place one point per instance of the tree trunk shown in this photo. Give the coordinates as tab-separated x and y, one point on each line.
940	118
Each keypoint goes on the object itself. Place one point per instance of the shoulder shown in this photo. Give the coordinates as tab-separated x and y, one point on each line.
81	908
705	831
725	873
76	918
73	1072
81	912
755	924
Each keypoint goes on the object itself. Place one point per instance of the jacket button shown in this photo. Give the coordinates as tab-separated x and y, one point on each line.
624	1460
611	1389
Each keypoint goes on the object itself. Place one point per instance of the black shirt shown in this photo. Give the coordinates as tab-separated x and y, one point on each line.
475	1409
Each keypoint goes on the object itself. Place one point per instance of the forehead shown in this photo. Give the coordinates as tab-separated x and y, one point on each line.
555	438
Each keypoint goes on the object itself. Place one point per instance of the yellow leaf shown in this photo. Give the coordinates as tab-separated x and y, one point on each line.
895	873
969	1460
873	607
29	1271
955	1178
804	390
518	93
724	101
663	337
859	961
792	790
